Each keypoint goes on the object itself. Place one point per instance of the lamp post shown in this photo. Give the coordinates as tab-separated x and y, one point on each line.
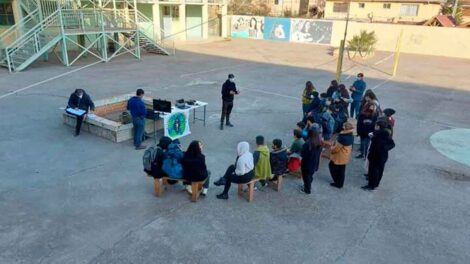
341	46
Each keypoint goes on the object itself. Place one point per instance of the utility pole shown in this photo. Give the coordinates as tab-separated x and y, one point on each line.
339	66
454	10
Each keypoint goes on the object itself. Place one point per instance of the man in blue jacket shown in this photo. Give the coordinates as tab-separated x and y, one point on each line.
80	100
229	90
138	111
357	89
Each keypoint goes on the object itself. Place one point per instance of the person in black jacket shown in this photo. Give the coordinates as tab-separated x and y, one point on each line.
278	159
311	152
80	100
229	90
381	144
194	166
365	125
157	164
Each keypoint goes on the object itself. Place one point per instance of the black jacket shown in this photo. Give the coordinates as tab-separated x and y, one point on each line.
310	158
194	168
278	161
228	87
83	103
365	124
380	145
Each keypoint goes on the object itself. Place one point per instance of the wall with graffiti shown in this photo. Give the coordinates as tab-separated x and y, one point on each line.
247	27
282	29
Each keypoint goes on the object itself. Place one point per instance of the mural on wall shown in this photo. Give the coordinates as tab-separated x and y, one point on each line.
277	28
247	27
311	31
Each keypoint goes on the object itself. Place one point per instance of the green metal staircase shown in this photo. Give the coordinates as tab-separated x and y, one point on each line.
49	24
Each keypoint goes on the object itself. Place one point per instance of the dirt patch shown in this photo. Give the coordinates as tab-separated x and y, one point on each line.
452	175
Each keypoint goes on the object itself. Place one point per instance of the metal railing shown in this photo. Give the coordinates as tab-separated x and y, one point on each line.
32	42
15	31
145	25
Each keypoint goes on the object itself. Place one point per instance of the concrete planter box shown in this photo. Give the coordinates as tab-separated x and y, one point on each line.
112	130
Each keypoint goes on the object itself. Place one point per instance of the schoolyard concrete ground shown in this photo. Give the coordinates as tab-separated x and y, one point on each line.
66	199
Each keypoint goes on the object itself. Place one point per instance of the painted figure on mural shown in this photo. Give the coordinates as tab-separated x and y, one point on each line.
278	32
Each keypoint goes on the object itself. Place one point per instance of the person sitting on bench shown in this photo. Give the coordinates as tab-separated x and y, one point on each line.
242	172
278	159
157	164
80	100
194	166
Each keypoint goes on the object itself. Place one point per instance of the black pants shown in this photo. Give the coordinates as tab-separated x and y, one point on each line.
230	177
307	177
226	110
206	183
337	173
78	126
375	173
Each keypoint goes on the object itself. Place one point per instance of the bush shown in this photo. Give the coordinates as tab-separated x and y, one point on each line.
364	43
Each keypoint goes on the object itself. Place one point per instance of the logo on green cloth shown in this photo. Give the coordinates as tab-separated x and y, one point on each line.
176	125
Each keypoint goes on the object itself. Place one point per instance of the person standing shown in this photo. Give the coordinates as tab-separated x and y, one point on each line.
311	152
80	100
138	111
357	89
340	155
307	98
229	90
381	144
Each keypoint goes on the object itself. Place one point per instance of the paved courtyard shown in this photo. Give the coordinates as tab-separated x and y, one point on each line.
66	199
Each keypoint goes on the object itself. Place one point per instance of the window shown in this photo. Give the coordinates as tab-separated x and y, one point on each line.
362	5
409	10
172	11
6	14
340	7
387	6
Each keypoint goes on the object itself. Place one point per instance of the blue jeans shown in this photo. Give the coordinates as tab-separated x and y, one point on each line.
139	127
365	141
354	110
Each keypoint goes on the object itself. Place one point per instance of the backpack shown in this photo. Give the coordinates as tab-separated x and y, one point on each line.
149	157
172	162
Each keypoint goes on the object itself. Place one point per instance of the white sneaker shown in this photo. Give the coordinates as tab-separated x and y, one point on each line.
204	191
189	189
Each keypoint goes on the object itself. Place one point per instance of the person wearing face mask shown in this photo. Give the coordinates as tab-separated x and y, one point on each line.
80	100
229	90
357	89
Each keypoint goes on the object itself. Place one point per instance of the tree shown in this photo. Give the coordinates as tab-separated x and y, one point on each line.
448	8
364	43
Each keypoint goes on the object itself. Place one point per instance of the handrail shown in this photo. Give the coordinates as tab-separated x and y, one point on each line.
33	30
15	28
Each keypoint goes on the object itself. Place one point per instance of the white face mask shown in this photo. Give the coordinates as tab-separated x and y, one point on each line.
80	96
232	79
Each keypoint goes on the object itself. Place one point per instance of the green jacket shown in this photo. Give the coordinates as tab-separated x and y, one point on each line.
263	165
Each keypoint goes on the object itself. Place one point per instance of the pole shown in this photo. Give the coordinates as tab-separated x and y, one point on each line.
341	47
397	54
454	10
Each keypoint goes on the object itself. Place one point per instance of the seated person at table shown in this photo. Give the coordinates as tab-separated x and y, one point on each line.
262	162
278	159
241	172
80	100
194	166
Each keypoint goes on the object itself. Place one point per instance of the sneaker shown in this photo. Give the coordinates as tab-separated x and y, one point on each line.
220	182
221	126
189	189
204	191
229	124
302	190
367	188
140	147
222	196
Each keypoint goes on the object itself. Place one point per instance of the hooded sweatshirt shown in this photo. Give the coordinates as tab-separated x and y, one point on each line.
245	159
262	162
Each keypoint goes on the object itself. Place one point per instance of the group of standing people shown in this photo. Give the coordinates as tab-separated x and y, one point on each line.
325	127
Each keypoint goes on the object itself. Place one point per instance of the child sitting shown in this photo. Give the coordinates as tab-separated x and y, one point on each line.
278	159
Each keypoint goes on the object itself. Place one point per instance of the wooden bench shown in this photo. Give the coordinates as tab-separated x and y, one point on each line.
251	189
161	183
276	185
